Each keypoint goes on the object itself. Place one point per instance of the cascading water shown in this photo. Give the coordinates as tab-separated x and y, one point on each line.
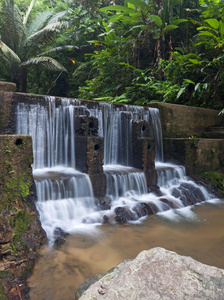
65	196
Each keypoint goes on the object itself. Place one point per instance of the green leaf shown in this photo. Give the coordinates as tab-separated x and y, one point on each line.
221	112
8	53
170	27
106	33
156	34
197	87
205	86
117	8
178	21
189	81
139	26
221	28
157	20
194	61
180	92
214	23
208	33
130	5
141	4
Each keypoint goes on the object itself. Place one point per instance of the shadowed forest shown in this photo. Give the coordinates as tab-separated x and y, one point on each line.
132	51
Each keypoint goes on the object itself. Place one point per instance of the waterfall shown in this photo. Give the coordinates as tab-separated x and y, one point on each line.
157	133
65	196
124	182
115	126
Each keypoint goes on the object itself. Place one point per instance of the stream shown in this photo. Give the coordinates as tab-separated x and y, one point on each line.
199	233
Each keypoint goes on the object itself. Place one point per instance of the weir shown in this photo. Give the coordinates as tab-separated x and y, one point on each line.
98	162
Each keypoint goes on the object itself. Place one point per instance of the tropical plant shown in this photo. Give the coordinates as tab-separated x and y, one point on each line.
22	42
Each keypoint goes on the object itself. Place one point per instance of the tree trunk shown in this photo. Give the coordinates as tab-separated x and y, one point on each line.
24	80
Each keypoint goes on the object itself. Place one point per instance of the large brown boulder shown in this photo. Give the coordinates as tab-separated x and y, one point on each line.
156	274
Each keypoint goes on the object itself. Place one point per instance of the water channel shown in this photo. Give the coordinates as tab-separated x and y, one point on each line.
58	273
65	198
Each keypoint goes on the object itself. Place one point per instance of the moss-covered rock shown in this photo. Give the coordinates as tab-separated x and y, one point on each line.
21	234
216	180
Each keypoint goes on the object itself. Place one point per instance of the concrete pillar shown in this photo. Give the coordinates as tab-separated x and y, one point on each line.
90	152
143	150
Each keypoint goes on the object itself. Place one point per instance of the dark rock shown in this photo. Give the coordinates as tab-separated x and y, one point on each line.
155	189
60	237
103	203
60	232
124	214
168	203
105	219
142	209
59	241
176	193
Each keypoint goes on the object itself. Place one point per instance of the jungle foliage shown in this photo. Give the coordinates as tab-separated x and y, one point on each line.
127	51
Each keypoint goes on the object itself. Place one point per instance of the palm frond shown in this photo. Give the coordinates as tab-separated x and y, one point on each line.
59	49
39	22
8	53
56	17
12	29
45	63
42	38
25	18
81	67
9	61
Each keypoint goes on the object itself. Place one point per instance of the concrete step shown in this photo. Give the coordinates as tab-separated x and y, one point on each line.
214	133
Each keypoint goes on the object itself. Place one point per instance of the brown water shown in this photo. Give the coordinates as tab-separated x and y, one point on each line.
58	273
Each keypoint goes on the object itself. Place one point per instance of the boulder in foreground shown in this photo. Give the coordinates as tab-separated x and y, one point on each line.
156	274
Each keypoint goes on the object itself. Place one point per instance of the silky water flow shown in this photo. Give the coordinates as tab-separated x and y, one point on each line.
65	197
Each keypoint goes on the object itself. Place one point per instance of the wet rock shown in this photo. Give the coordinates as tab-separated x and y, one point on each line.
154	273
59	241
60	237
176	193
142	209
105	220
199	195
124	214
60	232
188	194
103	203
155	189
153	208
168	203
184	200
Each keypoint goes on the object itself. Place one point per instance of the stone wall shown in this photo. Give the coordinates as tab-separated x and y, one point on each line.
198	155
21	234
183	125
180	121
185	138
89	158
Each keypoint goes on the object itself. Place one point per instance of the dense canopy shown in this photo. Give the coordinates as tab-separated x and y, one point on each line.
128	51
